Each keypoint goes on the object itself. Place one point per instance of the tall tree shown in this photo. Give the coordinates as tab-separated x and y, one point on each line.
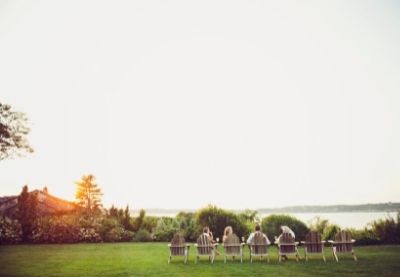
27	212
13	132
88	194
126	221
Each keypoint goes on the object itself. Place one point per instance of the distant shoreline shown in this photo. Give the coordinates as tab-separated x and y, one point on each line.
362	208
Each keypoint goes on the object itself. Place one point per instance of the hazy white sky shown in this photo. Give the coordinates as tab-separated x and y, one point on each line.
177	104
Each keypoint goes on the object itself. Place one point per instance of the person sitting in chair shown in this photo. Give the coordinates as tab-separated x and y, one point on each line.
257	230
284	229
209	234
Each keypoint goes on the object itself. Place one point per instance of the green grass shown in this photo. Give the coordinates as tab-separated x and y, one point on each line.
150	259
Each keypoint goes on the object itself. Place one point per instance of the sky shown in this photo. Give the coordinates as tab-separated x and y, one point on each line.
178	104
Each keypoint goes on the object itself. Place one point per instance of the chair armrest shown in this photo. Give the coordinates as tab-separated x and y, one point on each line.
331	241
296	243
302	242
353	240
169	245
187	245
195	245
323	241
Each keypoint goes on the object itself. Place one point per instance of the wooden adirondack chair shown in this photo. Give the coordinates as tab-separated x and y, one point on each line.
313	245
258	247
233	248
178	247
343	243
205	248
287	246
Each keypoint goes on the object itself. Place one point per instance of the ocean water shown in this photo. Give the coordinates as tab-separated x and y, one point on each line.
346	220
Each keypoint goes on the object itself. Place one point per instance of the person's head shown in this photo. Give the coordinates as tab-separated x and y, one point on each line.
258	228
228	230
286	229
206	230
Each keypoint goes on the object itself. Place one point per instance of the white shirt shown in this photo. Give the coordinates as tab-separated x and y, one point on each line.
250	239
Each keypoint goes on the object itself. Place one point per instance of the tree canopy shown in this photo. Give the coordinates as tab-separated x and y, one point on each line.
27	212
88	194
13	132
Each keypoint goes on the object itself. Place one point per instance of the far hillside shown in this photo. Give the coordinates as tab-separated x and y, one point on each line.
367	208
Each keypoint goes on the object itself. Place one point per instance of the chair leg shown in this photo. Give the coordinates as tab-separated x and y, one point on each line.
297	257
169	259
334	254
323	257
305	253
196	260
212	258
225	259
354	256
279	258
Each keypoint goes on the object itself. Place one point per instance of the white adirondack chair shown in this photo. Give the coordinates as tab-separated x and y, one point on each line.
313	245
233	248
343	243
287	246
178	247
258	247
205	248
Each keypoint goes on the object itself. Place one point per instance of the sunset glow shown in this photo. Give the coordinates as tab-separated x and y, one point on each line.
177	110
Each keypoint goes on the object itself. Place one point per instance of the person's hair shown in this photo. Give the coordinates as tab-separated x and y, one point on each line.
228	230
258	228
206	229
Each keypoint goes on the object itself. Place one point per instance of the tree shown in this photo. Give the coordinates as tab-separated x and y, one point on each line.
88	194
126	220
27	212
13	131
139	220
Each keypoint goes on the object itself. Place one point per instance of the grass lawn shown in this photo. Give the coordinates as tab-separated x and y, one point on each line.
150	259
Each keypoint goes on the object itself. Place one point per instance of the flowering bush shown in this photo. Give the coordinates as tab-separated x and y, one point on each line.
10	231
89	235
56	229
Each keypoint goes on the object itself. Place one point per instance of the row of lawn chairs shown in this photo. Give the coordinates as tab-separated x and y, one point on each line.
313	245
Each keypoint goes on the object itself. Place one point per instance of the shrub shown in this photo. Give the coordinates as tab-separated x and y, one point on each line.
217	219
318	224
56	229
10	231
150	223
114	234
330	232
89	235
143	236
111	230
187	225
271	226
387	230
364	236
166	228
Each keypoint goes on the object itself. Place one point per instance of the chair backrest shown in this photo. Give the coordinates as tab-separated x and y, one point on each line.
343	242
313	242
232	244
178	245
204	245
258	245
287	243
